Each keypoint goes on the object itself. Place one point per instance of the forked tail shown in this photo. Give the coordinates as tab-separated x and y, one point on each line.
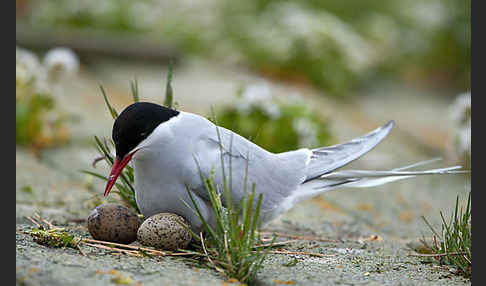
362	179
322	177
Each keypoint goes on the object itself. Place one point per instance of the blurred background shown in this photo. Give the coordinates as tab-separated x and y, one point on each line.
284	73
339	50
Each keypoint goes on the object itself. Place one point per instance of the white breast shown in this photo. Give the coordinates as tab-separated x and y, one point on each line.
160	168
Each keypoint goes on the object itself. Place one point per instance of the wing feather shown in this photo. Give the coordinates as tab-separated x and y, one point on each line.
326	159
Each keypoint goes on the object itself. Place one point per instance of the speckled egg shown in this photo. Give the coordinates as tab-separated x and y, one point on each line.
114	223
163	231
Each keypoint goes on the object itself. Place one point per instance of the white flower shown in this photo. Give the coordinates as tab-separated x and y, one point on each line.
29	72
271	109
460	112
60	61
306	131
27	66
461	108
257	93
258	96
464	138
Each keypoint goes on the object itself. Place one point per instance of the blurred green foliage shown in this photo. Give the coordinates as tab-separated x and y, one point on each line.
101	15
37	123
277	126
29	118
337	46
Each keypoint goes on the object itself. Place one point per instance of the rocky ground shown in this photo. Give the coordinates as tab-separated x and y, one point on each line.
367	229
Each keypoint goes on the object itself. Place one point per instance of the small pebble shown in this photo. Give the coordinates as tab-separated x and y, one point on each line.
114	223
164	232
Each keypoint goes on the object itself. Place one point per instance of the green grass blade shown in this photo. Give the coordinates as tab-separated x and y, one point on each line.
124	177
169	98
256	215
134	87
95	175
261	257
112	110
104	150
247	218
198	211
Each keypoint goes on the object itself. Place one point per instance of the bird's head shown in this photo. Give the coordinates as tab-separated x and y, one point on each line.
131	128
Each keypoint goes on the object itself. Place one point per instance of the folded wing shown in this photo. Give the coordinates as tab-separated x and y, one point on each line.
326	159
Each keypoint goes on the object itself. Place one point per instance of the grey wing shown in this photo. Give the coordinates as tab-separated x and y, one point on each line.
327	159
274	175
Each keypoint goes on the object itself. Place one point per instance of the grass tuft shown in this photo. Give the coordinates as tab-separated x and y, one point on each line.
453	244
231	246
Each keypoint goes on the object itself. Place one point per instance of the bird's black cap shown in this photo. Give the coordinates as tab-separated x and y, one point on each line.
136	122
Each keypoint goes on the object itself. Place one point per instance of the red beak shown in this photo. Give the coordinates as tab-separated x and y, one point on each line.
116	170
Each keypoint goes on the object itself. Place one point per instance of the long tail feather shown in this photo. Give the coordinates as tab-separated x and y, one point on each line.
357	174
364	178
421	163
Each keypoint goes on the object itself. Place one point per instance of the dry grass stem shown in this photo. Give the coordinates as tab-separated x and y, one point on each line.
97	159
125	246
436	254
299	253
299	237
135	249
207	255
276	243
129	252
80	251
33	221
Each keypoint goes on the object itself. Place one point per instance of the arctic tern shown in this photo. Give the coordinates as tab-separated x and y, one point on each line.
171	149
